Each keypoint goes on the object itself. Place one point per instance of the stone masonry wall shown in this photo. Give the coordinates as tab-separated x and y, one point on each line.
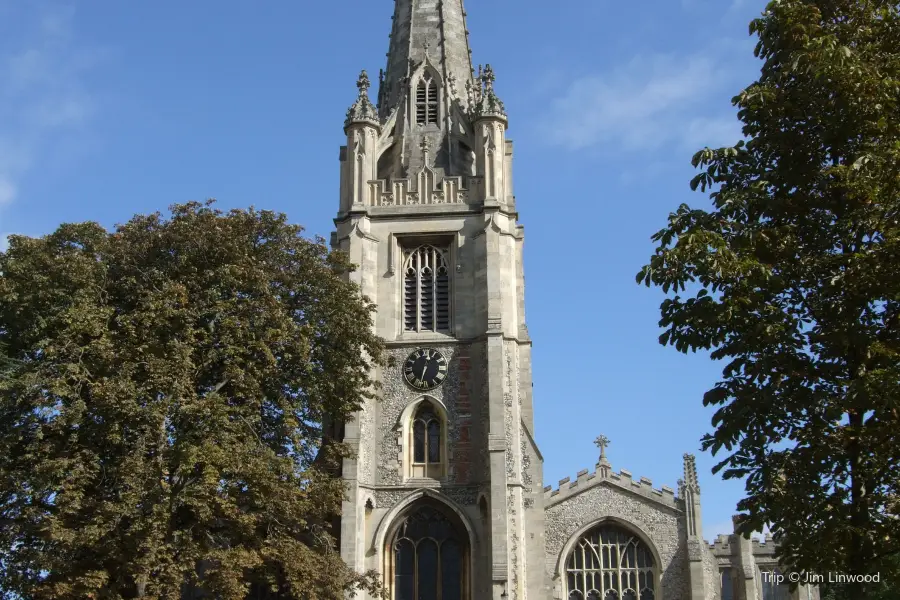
454	393
662	525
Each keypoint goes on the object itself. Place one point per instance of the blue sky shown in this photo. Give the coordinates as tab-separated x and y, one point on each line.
110	108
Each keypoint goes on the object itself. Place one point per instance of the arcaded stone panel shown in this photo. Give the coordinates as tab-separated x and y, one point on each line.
454	393
663	527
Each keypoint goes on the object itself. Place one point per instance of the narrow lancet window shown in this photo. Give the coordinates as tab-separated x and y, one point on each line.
427	100
427	443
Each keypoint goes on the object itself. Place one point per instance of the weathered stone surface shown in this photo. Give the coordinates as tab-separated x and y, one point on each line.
446	182
663	527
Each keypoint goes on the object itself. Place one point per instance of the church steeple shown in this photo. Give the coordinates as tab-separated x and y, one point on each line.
429	102
429	32
438	134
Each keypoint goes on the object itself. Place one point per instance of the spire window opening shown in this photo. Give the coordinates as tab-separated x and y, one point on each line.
427	103
426	289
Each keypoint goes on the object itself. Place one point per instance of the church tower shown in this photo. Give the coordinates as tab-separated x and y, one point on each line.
444	491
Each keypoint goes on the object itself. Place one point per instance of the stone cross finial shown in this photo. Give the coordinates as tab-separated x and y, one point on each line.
602	442
363	83
603	466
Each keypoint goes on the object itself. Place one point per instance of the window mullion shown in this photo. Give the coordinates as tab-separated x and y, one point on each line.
440	572
415	569
434	276
419	292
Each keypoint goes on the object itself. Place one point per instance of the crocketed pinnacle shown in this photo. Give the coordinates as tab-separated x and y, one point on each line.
483	99
690	481
362	111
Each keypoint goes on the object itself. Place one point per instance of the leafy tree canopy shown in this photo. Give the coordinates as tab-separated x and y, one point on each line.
162	432
793	279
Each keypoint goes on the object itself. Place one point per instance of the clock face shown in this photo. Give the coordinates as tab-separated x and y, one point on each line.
425	369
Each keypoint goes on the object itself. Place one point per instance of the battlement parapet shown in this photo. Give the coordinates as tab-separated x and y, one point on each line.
399	192
721	546
764	546
586	479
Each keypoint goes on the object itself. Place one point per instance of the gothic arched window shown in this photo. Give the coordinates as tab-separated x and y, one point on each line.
426	446
426	289
428	556
427	100
610	563
727	582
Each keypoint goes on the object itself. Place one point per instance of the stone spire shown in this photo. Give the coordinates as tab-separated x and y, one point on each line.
432	30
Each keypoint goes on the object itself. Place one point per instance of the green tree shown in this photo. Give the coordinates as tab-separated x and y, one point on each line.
162	434
6	361
792	279
889	588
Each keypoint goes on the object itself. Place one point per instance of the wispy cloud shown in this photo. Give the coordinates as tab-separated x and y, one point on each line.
652	102
44	99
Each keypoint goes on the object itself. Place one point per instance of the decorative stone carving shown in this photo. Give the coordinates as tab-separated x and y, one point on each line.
664	527
484	101
362	111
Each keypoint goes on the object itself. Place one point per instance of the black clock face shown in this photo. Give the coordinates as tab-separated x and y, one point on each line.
425	369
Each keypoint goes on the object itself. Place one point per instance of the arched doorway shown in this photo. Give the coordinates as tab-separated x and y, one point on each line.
427	555
609	562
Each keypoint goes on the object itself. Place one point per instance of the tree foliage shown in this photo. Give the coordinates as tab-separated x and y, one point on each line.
162	433
793	279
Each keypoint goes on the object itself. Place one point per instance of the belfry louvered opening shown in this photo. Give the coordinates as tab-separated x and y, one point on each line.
426	288
427	100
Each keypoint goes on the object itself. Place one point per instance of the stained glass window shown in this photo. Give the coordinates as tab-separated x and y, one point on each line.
610	563
429	557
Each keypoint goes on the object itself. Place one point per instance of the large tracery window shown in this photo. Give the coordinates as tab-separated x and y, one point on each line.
428	557
427	100
427	429
610	563
426	289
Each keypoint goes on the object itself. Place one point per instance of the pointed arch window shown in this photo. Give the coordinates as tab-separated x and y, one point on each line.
427	105
428	557
727	584
426	444
426	289
610	563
